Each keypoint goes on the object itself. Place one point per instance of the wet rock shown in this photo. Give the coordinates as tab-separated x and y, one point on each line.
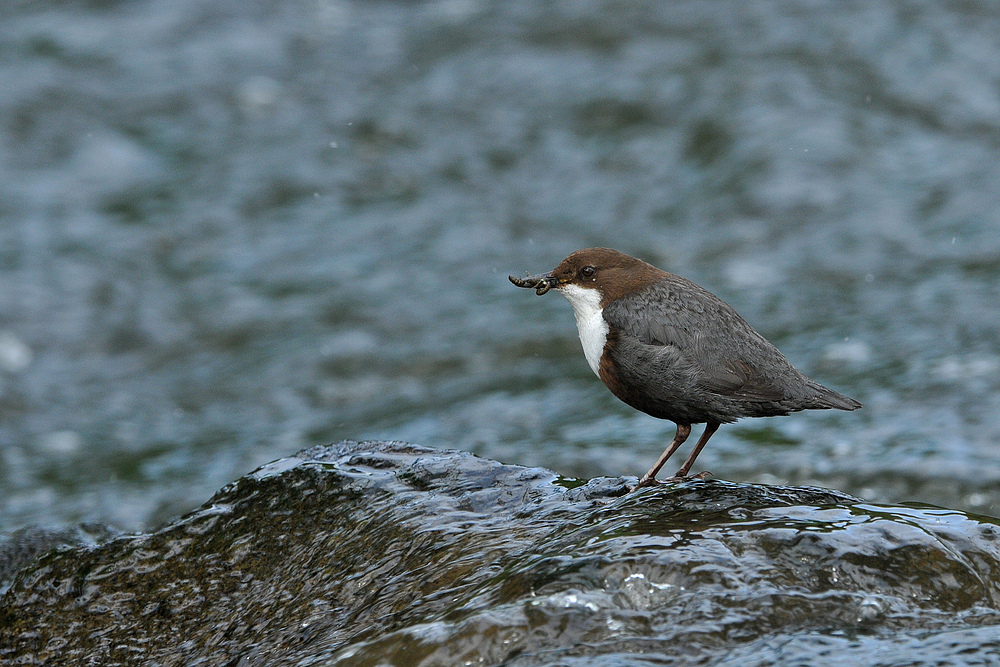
380	553
24	545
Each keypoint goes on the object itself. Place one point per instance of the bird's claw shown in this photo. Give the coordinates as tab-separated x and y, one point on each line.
652	481
703	475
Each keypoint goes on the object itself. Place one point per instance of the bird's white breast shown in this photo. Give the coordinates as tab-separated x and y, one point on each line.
589	321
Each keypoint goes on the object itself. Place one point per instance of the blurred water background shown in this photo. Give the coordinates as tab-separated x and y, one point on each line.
231	230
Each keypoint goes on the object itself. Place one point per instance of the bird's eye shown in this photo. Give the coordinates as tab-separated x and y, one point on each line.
587	271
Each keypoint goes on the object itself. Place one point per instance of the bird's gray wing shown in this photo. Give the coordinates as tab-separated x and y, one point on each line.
726	354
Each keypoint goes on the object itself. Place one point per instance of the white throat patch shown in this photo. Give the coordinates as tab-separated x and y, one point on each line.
589	321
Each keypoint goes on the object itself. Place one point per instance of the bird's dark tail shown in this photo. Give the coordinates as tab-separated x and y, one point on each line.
828	398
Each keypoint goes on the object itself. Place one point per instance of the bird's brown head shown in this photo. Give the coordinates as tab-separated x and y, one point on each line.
614	274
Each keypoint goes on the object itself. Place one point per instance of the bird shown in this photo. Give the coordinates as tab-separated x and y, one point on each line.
670	348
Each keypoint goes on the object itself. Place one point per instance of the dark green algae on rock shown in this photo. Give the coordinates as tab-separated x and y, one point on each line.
386	553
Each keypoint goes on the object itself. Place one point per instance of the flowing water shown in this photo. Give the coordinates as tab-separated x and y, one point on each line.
230	231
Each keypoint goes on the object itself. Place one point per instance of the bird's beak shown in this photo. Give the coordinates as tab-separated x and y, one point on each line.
542	283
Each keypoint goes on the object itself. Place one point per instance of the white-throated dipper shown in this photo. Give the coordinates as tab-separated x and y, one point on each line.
674	350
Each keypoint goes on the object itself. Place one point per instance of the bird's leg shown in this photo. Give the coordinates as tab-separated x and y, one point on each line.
710	428
683	431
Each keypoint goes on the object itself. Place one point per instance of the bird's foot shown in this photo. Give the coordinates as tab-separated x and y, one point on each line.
646	481
704	474
652	481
